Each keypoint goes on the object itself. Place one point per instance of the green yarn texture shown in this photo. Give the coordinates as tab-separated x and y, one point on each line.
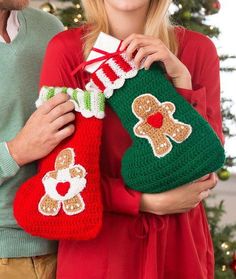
201	153
89	103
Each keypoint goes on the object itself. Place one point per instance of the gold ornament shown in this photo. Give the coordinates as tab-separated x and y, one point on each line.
48	8
186	15
223	174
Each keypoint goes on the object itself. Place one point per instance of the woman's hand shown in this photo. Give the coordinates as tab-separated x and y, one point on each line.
179	200
152	49
45	129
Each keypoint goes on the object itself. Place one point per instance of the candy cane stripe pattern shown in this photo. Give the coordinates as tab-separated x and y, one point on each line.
112	75
88	103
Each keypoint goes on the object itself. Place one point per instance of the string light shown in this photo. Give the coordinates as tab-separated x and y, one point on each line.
225	246
224	268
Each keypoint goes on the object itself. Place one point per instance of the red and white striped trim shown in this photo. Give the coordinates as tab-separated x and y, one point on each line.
112	75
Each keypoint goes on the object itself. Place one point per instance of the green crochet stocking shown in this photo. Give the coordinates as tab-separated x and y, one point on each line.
172	144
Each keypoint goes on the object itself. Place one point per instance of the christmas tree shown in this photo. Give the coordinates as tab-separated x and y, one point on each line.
71	15
192	14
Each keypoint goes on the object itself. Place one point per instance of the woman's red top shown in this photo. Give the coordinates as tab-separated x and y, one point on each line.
134	245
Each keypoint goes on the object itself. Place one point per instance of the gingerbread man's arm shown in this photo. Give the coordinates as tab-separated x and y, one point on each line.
52	174
141	129
167	107
77	171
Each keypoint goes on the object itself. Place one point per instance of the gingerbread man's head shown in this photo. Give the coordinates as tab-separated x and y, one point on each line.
145	105
65	159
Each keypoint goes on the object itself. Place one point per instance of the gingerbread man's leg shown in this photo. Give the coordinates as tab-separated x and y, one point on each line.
160	144
179	131
48	206
74	205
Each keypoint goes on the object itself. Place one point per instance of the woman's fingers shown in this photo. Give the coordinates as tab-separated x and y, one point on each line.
151	59
142	53
178	200
128	40
215	179
139	46
135	45
136	42
204	194
205	177
208	184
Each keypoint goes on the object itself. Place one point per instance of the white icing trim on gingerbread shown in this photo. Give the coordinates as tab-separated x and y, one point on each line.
77	184
170	113
55	212
72	159
152	144
190	131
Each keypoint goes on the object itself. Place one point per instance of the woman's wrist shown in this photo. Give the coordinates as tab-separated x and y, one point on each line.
183	81
153	203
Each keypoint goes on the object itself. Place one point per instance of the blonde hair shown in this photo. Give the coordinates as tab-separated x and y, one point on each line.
157	24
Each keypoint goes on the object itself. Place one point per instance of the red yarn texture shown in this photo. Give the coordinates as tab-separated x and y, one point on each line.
84	225
86	144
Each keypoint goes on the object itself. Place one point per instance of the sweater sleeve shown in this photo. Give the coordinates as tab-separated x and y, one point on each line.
205	96
118	198
57	64
8	166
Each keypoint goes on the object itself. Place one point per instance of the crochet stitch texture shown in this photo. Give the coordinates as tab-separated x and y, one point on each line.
200	154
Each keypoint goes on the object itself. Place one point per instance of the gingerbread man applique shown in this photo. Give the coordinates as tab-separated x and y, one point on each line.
63	186
156	123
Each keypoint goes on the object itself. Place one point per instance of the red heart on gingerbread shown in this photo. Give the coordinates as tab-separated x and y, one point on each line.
155	120
63	188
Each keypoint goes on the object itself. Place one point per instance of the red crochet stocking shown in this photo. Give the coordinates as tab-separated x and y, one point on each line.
63	201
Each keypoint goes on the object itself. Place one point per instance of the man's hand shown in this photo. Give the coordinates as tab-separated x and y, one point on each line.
45	129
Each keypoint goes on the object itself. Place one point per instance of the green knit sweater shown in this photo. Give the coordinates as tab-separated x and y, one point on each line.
19	77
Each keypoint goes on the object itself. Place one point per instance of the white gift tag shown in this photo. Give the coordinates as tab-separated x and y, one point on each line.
106	43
